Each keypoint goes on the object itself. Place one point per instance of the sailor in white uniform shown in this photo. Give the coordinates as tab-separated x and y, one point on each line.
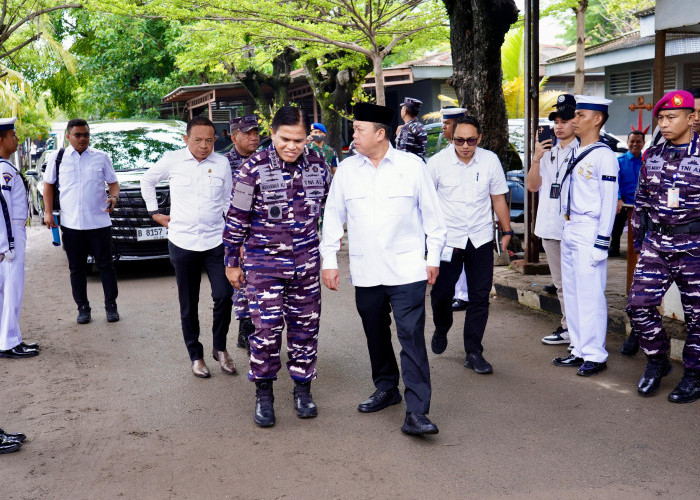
15	214
589	203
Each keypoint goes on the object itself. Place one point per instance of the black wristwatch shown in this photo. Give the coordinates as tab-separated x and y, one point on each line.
508	233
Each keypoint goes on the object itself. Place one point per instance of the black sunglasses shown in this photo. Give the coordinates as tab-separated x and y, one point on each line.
470	142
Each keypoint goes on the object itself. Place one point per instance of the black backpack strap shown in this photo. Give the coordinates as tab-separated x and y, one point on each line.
59	159
56	201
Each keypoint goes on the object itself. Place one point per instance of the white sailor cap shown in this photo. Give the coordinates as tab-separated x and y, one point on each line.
7	123
593	103
453	113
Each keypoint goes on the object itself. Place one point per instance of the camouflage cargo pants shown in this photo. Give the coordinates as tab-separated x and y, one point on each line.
652	277
274	302
240	304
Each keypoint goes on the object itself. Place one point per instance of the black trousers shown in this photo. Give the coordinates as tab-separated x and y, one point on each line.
478	267
408	303
97	242
618	227
188	266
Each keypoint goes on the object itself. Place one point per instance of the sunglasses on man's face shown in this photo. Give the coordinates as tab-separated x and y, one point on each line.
80	135
471	141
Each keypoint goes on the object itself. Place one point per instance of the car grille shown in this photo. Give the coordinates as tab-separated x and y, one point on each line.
131	213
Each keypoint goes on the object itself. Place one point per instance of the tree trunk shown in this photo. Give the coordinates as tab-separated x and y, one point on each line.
378	80
477	31
580	45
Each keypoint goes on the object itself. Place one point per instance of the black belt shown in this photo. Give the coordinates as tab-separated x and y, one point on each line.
670	230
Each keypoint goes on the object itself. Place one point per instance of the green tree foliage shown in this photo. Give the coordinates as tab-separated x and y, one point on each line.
605	19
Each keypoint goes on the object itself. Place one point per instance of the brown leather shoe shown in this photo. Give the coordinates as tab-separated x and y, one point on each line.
199	369
227	364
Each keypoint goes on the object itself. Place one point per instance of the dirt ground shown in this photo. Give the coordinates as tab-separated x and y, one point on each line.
111	410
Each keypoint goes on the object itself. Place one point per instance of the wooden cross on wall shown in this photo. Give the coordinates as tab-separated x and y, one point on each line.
640	106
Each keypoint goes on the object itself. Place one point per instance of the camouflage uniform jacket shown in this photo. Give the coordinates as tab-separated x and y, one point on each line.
413	138
274	214
235	159
326	153
666	166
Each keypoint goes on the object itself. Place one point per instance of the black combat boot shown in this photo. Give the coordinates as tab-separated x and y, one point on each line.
688	389
245	328
264	410
303	402
657	367
84	314
112	312
630	346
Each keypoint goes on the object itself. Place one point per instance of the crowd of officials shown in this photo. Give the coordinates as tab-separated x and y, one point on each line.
266	226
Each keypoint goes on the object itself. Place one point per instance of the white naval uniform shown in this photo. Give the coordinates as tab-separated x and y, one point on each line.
4	248
590	191
12	188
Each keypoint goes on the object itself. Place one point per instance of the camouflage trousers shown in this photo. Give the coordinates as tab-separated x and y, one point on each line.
274	302
240	304
652	277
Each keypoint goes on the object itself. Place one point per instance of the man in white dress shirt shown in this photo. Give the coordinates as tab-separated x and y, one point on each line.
85	207
589	203
200	187
468	180
389	204
549	163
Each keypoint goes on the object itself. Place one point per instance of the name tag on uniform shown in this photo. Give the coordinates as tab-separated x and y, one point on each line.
673	198
446	255
311	181
555	191
271	180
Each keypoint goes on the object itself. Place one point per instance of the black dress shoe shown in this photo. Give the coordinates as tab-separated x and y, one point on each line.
657	368
84	315
264	404
418	424
30	345
569	360
380	400
630	346
17	438
303	402
19	351
589	368
112	313
688	389
459	305
439	342
9	446
475	361
551	289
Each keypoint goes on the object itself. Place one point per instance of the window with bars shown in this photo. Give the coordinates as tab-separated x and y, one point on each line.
631	82
692	76
669	78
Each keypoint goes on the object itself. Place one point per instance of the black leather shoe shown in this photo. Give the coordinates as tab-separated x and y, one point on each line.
688	389
264	400
380	400
112	313
418	424
303	402
19	351
630	346
657	368
459	305
475	361
9	446
439	342
16	438
84	316
551	289
245	328
569	360
589	368
30	345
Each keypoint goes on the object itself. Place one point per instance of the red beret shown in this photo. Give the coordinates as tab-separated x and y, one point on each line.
676	99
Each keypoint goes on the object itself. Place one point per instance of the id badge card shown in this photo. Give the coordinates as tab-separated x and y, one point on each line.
446	255
673	198
555	191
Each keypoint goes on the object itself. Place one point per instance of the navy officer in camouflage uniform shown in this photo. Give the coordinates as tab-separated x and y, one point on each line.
412	136
666	226
275	206
245	135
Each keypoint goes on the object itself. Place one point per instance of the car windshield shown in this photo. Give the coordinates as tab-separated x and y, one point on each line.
136	145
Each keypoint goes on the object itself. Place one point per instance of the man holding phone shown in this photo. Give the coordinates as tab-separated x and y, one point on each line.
551	155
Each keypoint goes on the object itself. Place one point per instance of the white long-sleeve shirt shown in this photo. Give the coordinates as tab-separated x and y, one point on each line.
81	184
199	197
392	213
465	193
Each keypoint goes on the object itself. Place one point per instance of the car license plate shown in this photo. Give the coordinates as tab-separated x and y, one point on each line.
151	233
